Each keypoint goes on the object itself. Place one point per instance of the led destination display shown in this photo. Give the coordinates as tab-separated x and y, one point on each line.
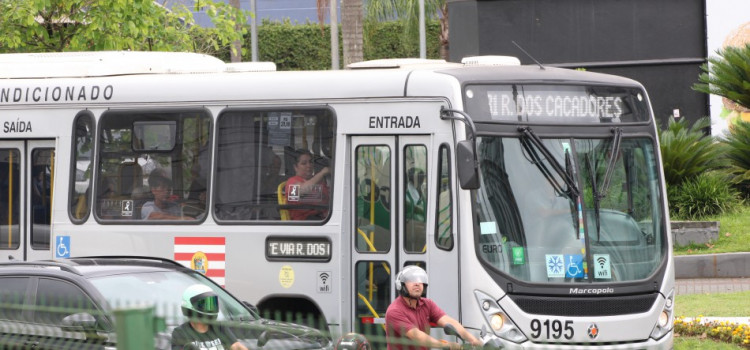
556	103
298	248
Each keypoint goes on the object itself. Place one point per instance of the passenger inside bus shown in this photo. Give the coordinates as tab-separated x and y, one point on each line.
307	190
163	206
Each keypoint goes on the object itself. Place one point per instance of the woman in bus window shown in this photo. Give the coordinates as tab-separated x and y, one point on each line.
307	190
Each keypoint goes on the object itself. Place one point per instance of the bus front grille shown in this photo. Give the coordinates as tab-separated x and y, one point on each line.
591	306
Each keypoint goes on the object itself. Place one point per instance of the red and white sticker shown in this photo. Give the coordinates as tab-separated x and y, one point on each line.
203	254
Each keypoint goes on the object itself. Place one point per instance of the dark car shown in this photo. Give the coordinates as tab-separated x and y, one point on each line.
69	304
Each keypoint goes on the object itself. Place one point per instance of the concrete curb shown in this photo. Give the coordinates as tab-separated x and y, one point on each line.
727	265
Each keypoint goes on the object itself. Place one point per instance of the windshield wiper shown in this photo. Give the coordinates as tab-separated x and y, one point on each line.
601	191
595	191
616	140
531	137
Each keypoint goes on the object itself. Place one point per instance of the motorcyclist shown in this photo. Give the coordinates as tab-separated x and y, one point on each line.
408	317
201	306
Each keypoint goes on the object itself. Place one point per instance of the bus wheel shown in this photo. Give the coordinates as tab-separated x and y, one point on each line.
295	310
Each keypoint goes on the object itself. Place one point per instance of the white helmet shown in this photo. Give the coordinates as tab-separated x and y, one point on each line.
411	273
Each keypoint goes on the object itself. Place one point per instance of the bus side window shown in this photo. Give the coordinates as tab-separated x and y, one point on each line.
258	150
135	143
415	199
83	148
444	215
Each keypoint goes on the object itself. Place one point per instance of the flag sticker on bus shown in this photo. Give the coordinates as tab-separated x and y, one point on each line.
203	254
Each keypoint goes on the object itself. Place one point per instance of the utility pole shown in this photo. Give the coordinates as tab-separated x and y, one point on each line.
422	34
236	51
334	37
253	32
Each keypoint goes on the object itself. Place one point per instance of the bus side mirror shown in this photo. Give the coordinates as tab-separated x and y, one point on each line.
466	165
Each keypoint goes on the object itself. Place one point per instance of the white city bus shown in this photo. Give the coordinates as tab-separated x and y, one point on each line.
533	196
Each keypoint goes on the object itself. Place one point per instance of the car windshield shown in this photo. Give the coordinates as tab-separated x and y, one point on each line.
605	226
164	290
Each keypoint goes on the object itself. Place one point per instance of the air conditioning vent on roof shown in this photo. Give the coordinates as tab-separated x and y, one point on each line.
393	63
491	61
237	67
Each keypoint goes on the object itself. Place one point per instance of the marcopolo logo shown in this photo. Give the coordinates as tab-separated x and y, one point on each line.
592	290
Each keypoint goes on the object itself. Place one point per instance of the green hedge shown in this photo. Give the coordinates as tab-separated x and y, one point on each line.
307	47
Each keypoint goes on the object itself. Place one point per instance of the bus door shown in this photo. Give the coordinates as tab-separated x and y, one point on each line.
26	173
390	192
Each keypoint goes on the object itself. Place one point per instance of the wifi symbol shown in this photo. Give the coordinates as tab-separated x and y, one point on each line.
601	260
323	286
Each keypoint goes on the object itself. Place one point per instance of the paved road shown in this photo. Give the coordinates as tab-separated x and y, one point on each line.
711	285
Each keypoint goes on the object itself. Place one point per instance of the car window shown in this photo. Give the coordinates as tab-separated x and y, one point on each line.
56	299
164	291
12	293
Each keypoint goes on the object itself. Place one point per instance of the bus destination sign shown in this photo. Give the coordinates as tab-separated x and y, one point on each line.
298	248
556	103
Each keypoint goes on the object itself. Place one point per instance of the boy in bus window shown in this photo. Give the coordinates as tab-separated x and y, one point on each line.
163	207
307	190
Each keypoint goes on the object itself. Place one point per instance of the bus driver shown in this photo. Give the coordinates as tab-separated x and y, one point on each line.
408	317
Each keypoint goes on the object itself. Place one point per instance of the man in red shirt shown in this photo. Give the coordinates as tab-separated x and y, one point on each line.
408	317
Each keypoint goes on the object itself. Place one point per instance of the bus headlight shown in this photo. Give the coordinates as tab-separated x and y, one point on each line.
664	323
501	325
496	322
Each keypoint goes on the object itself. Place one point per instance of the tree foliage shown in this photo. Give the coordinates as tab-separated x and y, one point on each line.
728	75
92	25
305	47
407	12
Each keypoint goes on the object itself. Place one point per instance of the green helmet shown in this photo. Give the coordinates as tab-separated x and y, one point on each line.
200	301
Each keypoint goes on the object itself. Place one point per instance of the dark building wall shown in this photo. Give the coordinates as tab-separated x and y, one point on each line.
660	43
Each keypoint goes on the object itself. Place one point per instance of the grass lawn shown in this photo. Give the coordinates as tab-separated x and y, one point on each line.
709	305
713	305
685	343
734	235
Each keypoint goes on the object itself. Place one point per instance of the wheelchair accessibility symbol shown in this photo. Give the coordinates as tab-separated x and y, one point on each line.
62	247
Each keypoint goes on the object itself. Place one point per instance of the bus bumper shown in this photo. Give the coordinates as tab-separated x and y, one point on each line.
665	343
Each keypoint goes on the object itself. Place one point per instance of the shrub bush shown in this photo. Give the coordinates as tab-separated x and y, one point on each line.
738	154
687	151
295	46
706	194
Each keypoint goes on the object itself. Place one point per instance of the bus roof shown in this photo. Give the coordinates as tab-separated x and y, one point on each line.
112	63
199	78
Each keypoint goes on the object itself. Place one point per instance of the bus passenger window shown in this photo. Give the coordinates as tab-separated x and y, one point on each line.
274	165
415	199
80	195
142	177
373	199
444	215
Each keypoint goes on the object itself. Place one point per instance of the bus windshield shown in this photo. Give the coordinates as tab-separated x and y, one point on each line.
533	229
